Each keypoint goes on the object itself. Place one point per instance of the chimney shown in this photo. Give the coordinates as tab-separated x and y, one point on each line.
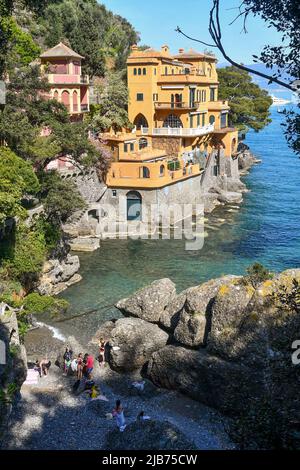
165	48
181	51
134	47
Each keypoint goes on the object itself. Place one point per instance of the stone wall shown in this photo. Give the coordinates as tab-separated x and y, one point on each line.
172	145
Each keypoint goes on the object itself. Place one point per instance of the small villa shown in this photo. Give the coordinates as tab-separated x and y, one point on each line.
62	67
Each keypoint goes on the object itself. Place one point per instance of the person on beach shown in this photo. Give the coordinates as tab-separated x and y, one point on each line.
79	366
118	414
102	345
37	367
89	366
45	366
67	359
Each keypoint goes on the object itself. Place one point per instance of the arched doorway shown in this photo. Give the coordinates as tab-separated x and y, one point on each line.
134	206
65	98
75	101
173	121
140	121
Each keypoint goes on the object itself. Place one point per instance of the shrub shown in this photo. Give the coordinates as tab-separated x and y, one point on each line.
256	274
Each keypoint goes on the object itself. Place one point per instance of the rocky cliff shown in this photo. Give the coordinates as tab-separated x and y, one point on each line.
13	363
227	343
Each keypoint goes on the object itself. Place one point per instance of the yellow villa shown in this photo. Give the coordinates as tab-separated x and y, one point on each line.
177	117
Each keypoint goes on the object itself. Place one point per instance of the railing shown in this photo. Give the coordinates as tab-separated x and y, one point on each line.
144	130
84	107
185	132
178	105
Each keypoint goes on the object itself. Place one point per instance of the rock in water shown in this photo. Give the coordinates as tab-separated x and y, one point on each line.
132	343
148	435
150	302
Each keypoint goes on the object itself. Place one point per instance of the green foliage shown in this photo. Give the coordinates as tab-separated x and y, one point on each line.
60	197
112	96
256	274
35	304
26	114
17	178
90	29
51	231
25	255
23	49
287	298
248	102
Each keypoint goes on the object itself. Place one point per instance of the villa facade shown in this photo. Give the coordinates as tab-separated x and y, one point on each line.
62	67
178	123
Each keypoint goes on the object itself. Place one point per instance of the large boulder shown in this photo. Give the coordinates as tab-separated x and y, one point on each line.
209	379
149	435
132	343
170	316
150	302
58	275
254	326
227	320
195	317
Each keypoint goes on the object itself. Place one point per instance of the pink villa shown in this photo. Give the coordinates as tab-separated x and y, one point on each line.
62	67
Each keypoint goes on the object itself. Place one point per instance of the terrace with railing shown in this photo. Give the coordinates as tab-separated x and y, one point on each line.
150	175
178	131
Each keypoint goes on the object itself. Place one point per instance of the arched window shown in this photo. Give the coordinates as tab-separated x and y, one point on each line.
134	205
172	121
75	101
145	172
65	98
162	170
140	121
134	71
212	119
140	72
144	71
55	95
143	143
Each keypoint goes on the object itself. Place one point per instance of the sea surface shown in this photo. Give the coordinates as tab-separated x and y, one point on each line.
264	228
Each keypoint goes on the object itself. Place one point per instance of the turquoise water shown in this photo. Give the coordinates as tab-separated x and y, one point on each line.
264	229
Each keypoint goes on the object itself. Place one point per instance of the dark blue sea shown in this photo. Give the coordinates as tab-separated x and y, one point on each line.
265	228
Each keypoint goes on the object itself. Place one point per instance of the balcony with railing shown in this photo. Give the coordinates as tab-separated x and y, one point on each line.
68	79
177	105
179	131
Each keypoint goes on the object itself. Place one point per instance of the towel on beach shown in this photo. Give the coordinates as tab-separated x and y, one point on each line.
32	377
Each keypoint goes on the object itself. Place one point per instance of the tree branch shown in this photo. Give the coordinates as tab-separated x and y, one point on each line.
216	35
